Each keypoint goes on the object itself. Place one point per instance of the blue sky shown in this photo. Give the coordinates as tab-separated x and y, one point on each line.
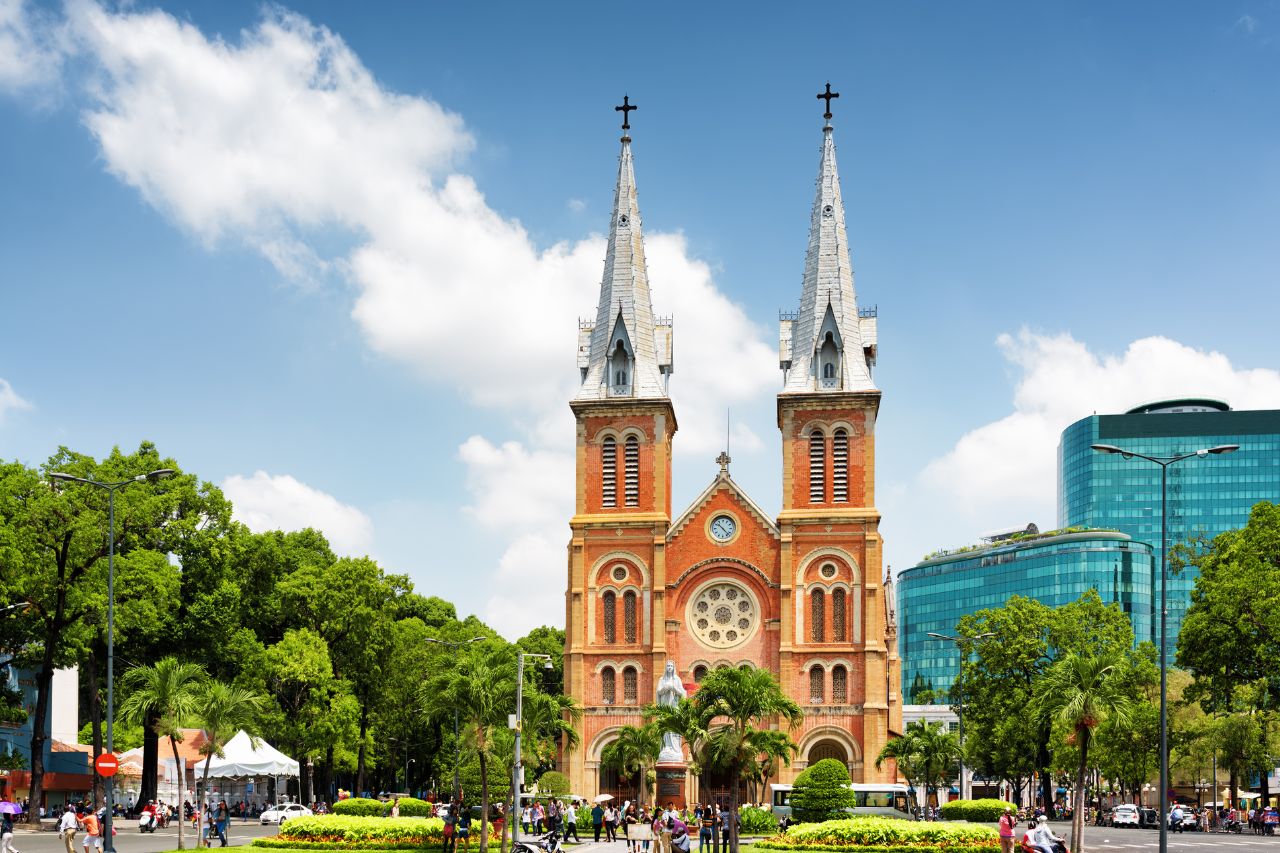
332	255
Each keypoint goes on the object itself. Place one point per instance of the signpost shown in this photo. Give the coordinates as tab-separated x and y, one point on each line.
106	764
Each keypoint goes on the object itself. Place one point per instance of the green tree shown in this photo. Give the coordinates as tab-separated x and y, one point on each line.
547	641
1080	691
164	696
633	752
822	792
553	784
926	754
224	710
692	722
743	698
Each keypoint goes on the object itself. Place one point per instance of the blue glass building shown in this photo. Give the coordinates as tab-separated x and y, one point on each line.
1206	496
1054	568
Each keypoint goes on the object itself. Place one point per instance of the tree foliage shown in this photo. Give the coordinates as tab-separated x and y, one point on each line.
821	792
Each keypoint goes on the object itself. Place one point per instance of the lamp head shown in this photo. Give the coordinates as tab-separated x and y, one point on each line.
158	474
1105	448
59	475
1224	448
548	665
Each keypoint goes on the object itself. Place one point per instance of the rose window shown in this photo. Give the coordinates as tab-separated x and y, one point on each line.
723	614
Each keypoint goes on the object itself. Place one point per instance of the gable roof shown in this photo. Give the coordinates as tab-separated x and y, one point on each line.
722	481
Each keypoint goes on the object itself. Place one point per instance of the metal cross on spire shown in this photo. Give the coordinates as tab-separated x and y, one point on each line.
626	109
824	96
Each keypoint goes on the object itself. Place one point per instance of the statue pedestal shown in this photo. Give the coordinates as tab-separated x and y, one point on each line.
671	784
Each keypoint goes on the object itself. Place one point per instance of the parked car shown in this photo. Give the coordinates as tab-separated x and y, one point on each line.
1125	814
284	811
1148	818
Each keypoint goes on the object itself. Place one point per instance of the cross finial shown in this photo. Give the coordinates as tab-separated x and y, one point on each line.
724	461
825	96
626	109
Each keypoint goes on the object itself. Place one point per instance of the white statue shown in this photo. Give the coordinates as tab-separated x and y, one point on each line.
670	692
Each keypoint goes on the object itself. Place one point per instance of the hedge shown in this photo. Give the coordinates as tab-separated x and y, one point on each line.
757	821
821	793
376	832
363	807
863	834
978	811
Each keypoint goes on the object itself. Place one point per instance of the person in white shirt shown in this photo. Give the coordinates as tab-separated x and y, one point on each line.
1043	836
67	828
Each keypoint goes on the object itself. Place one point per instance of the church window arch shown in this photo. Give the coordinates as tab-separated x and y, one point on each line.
632	462
629	685
610	602
699	673
817	467
609	471
621	368
829	358
817	685
839	624
818	615
839	684
840	466
608	686
629	616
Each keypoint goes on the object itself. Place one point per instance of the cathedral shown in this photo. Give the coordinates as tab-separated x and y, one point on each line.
722	583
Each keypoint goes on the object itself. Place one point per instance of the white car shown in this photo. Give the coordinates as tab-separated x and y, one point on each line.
284	811
1125	814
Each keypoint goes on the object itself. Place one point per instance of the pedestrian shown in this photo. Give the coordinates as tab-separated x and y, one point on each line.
539	818
92	831
629	821
725	817
597	820
222	817
464	828
1007	824
450	822
571	822
6	834
67	828
706	827
499	818
610	823
526	819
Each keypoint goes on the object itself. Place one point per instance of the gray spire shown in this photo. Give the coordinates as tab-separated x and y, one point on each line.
625	352
828	345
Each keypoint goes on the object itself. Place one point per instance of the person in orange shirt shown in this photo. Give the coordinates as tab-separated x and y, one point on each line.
92	831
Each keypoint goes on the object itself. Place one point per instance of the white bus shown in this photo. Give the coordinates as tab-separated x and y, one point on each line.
887	800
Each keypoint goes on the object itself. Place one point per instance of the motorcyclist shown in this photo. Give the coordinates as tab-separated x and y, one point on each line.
1175	818
1042	837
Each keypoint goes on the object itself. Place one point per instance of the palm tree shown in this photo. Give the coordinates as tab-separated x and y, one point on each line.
926	754
481	685
775	750
550	722
1080	691
167	693
692	723
224	710
902	749
635	748
742	697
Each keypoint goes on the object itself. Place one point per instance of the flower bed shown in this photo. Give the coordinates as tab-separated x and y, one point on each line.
347	832
874	834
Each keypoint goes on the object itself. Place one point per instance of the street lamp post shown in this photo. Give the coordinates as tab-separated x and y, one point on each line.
1164	462
111	489
960	697
456	747
517	770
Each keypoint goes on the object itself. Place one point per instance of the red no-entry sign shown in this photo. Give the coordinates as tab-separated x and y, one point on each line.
106	764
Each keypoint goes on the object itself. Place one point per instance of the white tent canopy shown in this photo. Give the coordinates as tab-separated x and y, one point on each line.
242	758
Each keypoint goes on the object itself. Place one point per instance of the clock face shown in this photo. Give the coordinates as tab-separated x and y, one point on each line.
723	528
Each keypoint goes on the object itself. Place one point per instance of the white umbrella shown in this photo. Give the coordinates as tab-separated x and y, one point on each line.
603	798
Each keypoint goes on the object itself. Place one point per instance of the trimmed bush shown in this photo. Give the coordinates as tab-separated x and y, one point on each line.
977	811
413	807
866	834
820	792
370	832
553	784
358	806
757	821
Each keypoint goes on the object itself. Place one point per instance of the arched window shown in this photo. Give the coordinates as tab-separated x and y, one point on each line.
629	616
609	471
839	685
817	467
816	686
699	673
828	371
839	633
840	466
818	615
608	695
629	685
633	471
610	617
620	364
829	356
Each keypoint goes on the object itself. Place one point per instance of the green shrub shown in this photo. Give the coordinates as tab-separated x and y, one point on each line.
359	806
363	831
864	834
278	843
757	821
821	792
413	807
553	784
977	811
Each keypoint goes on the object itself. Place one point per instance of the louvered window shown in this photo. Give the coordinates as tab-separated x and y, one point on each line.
629	685
840	467
818	615
608	695
839	685
610	618
609	472
838	631
629	616
817	467
633	471
816	686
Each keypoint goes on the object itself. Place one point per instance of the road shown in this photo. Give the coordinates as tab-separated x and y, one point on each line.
130	840
1109	838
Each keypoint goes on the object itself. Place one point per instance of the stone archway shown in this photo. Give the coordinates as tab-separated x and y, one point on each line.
828	748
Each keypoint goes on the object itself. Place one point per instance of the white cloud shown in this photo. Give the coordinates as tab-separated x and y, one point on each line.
577	205
284	134
30	55
10	401
529	585
1248	23
266	502
1005	472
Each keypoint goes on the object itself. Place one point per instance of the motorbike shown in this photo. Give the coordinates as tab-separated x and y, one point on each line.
1233	826
549	843
147	822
